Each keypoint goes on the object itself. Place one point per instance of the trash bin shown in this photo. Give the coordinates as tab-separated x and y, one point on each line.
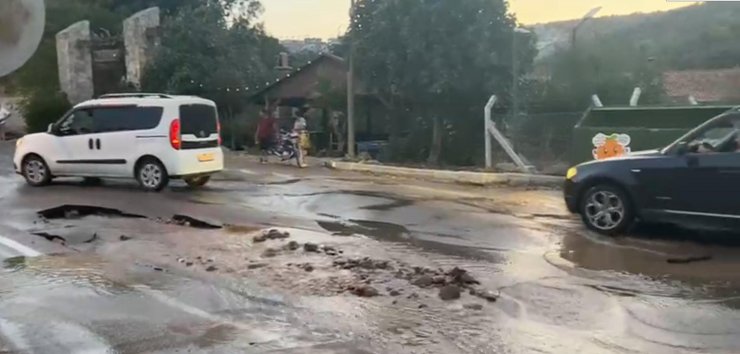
607	132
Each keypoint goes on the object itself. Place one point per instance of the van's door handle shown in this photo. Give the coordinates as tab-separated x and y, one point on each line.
97	143
730	172
90	144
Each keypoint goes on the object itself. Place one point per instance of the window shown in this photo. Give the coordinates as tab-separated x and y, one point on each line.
199	120
722	137
77	123
115	119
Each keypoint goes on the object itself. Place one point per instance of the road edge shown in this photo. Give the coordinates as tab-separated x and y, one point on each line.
446	176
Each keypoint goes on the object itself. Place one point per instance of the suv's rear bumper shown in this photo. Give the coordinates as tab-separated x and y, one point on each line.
196	162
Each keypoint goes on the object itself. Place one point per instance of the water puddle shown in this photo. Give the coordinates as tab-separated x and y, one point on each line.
85	270
216	335
389	232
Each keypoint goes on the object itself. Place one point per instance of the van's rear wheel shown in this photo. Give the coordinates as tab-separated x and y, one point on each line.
152	175
196	182
36	171
606	209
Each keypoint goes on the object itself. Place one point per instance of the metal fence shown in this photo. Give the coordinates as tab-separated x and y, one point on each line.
544	139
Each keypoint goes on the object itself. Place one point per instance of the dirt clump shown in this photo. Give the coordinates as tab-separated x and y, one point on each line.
449	292
311	247
484	294
364	290
272	234
269	253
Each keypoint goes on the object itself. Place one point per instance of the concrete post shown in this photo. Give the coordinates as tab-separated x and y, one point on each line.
491	130
74	59
635	98
140	41
487	128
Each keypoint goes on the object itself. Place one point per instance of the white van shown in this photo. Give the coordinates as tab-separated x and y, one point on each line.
151	137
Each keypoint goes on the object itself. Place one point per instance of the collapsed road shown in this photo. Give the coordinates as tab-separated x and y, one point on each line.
275	259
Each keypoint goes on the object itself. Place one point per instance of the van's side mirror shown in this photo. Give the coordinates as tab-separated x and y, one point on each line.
50	128
682	148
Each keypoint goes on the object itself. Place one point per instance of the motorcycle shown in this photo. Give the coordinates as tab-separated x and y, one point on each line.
288	147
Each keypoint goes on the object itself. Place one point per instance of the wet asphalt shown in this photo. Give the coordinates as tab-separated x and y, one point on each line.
76	287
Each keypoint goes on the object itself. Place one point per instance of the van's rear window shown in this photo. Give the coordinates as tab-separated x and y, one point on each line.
198	119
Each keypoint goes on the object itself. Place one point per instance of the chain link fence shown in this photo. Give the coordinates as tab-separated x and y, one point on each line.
544	139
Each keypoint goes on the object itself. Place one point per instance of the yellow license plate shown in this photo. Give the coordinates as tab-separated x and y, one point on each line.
206	157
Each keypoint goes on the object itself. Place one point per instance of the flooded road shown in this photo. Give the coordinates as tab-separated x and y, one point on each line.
108	282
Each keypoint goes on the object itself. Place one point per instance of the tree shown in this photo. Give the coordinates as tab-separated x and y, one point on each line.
214	50
38	80
437	60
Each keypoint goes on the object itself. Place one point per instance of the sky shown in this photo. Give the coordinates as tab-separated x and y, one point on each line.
298	19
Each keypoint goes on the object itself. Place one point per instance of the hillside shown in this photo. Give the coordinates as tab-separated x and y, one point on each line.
696	37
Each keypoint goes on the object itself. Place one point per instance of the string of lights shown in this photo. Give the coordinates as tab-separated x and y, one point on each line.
242	88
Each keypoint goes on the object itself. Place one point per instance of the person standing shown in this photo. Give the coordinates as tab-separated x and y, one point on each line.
265	136
300	127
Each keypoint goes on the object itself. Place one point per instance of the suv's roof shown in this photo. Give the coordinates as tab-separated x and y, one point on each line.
144	99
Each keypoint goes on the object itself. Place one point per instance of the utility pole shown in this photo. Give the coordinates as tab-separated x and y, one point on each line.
574	32
351	86
515	72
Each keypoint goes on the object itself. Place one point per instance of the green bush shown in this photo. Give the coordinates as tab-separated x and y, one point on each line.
41	108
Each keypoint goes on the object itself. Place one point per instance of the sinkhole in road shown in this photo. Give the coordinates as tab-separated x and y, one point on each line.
77	211
77	230
72	212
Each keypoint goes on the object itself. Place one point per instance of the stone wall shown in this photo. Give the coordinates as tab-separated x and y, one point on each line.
74	58
140	39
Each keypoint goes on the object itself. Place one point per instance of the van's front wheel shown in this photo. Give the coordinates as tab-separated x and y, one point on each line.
36	171
195	182
152	175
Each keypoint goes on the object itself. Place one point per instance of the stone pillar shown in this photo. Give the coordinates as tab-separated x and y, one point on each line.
141	39
74	59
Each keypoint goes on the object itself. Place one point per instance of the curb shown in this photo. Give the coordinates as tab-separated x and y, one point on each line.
445	176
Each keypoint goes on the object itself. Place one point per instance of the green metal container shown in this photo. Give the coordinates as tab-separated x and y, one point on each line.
605	132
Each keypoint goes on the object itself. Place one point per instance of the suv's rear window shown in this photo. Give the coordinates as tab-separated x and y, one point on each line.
198	119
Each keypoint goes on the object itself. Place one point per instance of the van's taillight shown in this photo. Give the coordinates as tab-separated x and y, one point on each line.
175	134
218	130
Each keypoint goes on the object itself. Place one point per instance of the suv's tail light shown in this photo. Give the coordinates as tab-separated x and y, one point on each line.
218	131
175	134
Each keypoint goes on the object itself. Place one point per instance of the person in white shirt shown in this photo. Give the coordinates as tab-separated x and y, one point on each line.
300	127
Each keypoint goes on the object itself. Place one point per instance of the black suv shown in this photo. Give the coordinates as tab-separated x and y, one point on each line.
694	181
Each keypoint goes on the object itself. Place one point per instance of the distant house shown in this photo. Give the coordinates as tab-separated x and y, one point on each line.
305	84
317	85
705	86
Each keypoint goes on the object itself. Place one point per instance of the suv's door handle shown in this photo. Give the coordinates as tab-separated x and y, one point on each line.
97	143
692	161
90	144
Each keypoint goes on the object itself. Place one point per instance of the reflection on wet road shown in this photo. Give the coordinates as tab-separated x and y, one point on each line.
84	304
562	289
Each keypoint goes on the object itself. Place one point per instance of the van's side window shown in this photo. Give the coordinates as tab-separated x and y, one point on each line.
116	119
77	123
